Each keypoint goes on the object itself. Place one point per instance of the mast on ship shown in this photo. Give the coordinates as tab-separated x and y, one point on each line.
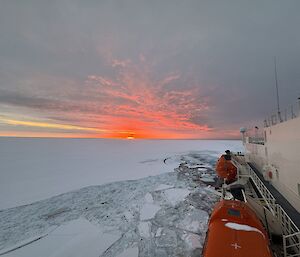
277	92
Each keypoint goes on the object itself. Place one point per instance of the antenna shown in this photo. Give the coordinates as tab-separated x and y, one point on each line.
277	92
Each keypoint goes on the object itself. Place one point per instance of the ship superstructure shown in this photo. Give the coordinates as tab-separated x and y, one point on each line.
271	164
265	179
275	153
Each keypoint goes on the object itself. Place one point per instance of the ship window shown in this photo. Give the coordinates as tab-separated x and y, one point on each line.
233	212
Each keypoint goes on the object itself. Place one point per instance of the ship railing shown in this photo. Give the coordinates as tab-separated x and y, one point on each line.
291	112
247	171
263	190
290	232
290	249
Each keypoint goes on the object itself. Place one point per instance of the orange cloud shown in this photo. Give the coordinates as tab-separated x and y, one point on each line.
47	125
132	103
43	134
136	103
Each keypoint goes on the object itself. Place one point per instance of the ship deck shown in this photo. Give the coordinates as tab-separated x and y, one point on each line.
290	210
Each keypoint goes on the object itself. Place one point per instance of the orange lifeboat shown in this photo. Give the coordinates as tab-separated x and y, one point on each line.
235	230
225	168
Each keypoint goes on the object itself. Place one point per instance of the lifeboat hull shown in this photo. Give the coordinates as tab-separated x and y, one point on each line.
235	230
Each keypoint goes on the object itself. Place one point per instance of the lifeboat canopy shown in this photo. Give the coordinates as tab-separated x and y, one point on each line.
235	230
225	168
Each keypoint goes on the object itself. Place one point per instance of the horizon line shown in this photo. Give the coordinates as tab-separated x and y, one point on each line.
131	139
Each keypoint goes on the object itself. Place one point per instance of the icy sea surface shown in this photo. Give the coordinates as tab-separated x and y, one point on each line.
160	212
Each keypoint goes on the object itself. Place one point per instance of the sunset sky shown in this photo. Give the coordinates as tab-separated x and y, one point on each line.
145	68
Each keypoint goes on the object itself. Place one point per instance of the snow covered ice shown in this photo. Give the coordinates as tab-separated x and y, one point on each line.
119	209
160	214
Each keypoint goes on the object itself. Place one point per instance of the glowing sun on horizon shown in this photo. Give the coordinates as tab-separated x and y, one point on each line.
130	136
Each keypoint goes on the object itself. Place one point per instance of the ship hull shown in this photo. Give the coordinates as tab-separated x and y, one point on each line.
277	157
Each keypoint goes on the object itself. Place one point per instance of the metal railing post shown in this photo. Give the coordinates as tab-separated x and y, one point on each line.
284	246
290	112
290	232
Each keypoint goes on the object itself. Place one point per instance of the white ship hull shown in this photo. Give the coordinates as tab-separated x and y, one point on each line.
277	156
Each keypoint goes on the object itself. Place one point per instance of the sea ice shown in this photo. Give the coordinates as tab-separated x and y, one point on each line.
158	232
76	238
162	187
130	252
148	198
145	229
192	240
195	221
155	215
208	179
175	195
148	211
168	238
36	169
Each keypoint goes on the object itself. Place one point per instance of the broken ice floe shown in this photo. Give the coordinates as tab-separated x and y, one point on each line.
163	215
162	187
148	211
75	238
175	195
